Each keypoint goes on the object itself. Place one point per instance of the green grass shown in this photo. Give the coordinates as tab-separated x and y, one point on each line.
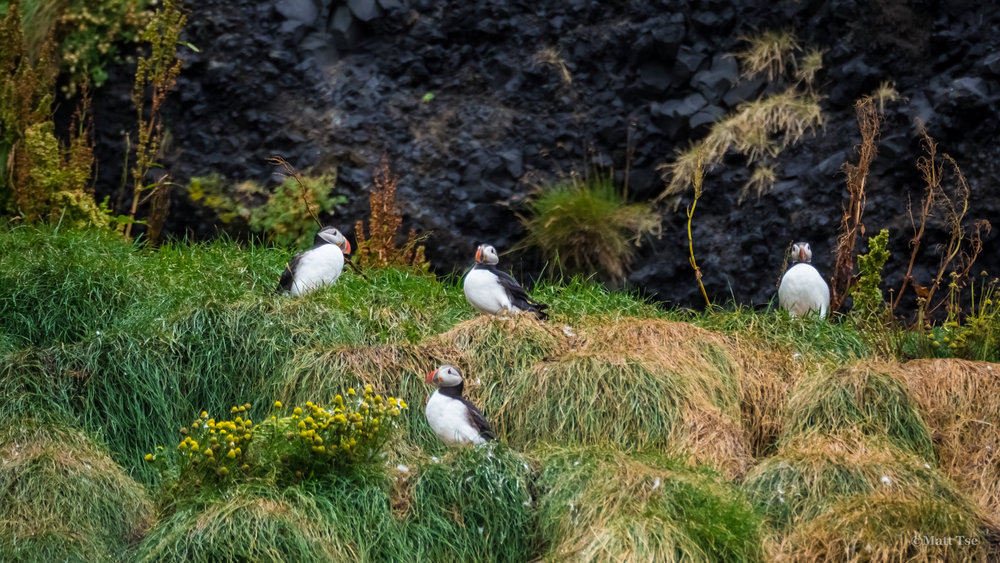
63	498
865	397
111	347
598	504
585	225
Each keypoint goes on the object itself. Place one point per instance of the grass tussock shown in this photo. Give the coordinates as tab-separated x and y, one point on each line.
882	527
63	498
961	400
251	524
637	383
474	504
866	397
601	505
585	225
809	472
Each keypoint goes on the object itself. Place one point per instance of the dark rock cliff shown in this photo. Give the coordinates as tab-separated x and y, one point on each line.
524	91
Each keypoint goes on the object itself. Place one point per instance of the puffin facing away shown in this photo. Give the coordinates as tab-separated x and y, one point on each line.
492	291
319	266
452	417
802	289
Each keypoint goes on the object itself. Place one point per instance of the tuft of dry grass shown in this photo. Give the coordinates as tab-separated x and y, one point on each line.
768	53
961	400
758	129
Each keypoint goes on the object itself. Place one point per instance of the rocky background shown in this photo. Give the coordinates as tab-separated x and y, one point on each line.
527	91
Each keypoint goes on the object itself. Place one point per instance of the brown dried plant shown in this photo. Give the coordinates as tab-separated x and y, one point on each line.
850	222
378	248
960	252
157	72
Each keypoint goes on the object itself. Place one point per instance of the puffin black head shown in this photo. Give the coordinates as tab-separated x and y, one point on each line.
445	376
486	254
330	235
802	253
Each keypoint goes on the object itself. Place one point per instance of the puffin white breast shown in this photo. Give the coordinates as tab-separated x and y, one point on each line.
484	292
449	418
318	267
802	290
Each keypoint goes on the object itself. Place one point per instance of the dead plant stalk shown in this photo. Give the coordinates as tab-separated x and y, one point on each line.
850	222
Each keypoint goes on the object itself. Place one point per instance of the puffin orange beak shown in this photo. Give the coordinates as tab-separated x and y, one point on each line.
430	376
347	246
479	254
802	255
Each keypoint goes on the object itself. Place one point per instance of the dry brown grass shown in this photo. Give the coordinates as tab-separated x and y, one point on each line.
961	400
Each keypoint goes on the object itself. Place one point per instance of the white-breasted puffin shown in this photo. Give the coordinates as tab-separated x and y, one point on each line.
319	266
492	291
452	417
802	289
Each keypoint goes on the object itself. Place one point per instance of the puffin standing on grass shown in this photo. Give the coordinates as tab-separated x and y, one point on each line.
319	266
492	291
452	417
802	289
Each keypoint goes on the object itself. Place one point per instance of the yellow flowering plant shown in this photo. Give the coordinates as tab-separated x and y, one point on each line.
311	441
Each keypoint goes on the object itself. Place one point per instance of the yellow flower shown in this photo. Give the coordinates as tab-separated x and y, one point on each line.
150	457
246	437
231	454
402	403
277	404
234	410
338	400
350	391
204	414
245	466
297	411
302	425
222	471
368	388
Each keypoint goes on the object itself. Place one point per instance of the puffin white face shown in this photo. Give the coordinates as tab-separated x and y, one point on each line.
801	252
333	236
486	254
445	376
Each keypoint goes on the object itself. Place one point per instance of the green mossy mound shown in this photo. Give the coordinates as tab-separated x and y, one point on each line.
64	499
598	504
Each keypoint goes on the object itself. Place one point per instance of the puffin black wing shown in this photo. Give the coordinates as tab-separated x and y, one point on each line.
518	296
477	420
287	277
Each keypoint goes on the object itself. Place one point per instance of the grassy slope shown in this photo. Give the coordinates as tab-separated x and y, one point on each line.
709	420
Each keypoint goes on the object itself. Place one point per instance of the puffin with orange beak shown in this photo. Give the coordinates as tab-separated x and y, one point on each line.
491	291
319	266
802	289
452	417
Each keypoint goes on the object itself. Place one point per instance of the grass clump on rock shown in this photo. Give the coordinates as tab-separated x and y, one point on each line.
63	498
598	504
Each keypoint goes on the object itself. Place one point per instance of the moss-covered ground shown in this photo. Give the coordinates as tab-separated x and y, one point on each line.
627	431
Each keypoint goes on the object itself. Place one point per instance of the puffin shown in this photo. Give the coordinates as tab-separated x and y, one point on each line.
452	417
319	266
492	291
802	289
